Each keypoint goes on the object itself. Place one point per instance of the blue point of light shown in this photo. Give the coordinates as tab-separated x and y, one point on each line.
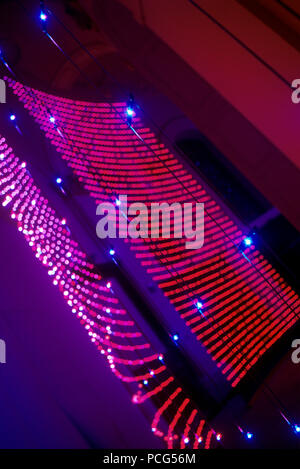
112	252
160	357
58	180
219	436
199	304
297	428
145	382
43	16
249	435
129	111
12	117
175	337
248	241
118	202
52	119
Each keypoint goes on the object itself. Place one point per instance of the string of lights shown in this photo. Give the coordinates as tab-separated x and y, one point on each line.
247	242
95	304
59	183
152	373
175	336
59	180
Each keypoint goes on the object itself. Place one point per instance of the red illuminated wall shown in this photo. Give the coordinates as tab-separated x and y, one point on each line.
247	306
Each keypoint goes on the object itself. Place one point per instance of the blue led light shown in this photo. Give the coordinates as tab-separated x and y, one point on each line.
248	241
249	435
112	252
130	112
58	180
12	117
43	16
145	382
52	119
199	304
118	202
175	337
297	428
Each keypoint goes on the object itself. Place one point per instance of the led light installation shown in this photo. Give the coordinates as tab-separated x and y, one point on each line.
91	299
248	306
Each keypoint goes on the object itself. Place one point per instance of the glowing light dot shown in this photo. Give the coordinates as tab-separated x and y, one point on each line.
108	285
58	180
218	436
130	112
248	241
135	399
175	337
12	117
112	252
43	16
297	428
186	440
249	435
